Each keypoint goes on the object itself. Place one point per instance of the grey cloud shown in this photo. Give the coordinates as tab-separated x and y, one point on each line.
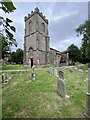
61	29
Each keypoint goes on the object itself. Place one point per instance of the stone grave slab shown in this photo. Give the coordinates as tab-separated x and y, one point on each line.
63	68
80	72
61	88
61	74
70	69
32	73
50	70
4	80
55	73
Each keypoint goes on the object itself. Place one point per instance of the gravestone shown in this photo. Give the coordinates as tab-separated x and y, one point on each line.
63	68
86	71
75	68
50	70
86	80
61	74
55	73
8	76
79	66
80	72
32	73
61	86
71	69
4	79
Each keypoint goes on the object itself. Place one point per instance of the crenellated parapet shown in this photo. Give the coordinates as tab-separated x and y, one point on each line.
36	10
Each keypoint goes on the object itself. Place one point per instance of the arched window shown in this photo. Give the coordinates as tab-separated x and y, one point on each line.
30	26
43	27
31	52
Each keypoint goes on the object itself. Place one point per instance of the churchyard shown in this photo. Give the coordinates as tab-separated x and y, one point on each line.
24	97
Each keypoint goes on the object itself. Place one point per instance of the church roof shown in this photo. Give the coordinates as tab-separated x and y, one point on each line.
55	50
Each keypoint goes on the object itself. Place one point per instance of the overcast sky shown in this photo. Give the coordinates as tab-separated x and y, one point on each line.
63	18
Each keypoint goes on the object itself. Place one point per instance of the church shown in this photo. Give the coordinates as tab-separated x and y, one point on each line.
37	50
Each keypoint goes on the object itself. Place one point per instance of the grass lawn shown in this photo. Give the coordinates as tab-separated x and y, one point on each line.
12	67
24	98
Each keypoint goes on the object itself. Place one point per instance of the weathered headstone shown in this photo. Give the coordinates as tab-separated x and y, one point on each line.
71	69
32	74
61	74
8	76
86	80
50	70
79	66
61	88
55	73
75	68
63	68
86	71
80	72
3	78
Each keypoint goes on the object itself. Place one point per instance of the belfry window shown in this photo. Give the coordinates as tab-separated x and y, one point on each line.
43	27
30	26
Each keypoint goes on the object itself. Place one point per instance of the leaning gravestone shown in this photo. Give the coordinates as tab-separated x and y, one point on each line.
61	88
55	73
61	85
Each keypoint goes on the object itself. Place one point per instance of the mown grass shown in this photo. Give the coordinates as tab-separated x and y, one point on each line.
12	67
24	98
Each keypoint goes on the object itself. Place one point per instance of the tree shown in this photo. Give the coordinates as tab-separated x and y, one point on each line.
19	54
7	7
6	35
17	57
84	30
74	53
5	47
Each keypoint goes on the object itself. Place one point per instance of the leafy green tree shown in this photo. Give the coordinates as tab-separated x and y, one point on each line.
19	54
17	57
6	35
74	53
5	47
84	30
7	7
13	57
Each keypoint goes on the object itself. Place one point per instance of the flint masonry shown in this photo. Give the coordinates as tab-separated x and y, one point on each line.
37	49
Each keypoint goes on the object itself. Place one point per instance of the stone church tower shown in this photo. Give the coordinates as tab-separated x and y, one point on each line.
36	39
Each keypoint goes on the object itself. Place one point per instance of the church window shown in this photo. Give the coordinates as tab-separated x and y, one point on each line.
31	52
43	27
30	26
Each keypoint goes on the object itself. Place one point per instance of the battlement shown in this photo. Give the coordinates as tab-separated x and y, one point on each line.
36	10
